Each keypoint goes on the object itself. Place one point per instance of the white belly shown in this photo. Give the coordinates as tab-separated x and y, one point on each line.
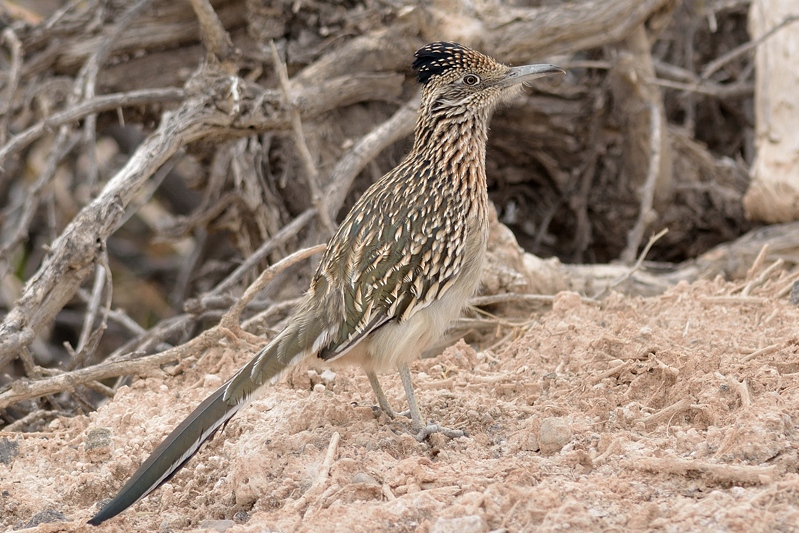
402	342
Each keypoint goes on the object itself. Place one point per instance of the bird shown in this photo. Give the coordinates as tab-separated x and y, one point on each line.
400	267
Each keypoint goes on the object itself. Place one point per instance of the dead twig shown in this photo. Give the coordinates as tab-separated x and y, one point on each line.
768	350
758	262
311	173
627	275
787	286
12	80
742	388
734	474
386	490
29	203
648	192
89	335
75	251
280	238
215	39
667	413
86	82
27	420
79	111
233	315
509	297
722	92
726	300
24	389
618	369
761	279
712	67
316	490
274	309
611	449
400	125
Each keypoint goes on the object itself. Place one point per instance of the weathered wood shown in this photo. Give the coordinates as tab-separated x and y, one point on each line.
773	194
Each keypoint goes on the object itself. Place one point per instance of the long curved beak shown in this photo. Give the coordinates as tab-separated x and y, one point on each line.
525	73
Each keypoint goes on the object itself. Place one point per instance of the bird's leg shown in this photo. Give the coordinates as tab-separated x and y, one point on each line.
416	415
423	430
382	401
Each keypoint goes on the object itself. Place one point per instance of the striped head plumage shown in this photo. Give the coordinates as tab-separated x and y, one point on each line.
457	79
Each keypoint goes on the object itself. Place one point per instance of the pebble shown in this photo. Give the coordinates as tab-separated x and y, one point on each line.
554	434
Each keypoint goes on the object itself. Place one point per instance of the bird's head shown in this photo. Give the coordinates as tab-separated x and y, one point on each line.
458	80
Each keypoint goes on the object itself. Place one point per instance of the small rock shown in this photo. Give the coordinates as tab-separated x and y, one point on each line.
462	524
319	387
8	450
46	517
98	444
328	376
554	434
314	377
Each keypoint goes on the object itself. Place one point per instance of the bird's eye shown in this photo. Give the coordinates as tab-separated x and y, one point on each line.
471	79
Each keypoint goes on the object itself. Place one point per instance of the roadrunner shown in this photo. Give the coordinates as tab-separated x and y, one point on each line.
401	266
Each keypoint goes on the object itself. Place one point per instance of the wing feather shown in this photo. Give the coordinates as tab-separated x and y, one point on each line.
386	264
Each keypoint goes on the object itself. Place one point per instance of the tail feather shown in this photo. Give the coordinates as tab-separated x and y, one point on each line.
186	439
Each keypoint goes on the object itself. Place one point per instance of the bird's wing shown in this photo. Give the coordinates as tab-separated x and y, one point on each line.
384	265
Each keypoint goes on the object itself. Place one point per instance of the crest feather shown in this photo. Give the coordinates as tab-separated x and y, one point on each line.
435	59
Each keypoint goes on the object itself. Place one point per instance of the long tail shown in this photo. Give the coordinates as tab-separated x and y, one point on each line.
186	439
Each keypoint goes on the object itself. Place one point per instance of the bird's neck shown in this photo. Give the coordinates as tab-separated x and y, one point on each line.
454	144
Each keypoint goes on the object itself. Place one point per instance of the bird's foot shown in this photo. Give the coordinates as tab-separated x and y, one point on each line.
424	432
420	433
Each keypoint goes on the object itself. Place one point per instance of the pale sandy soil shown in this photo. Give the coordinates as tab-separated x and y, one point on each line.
631	414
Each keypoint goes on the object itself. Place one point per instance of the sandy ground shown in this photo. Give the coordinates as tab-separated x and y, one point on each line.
671	413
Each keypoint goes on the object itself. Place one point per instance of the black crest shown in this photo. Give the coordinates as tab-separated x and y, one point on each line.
437	58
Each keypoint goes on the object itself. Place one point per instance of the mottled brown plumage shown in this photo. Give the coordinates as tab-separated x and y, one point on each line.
401	266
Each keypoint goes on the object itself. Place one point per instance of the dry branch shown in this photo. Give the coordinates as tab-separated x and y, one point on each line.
79	111
23	389
74	252
311	173
216	40
667	413
518	34
11	40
